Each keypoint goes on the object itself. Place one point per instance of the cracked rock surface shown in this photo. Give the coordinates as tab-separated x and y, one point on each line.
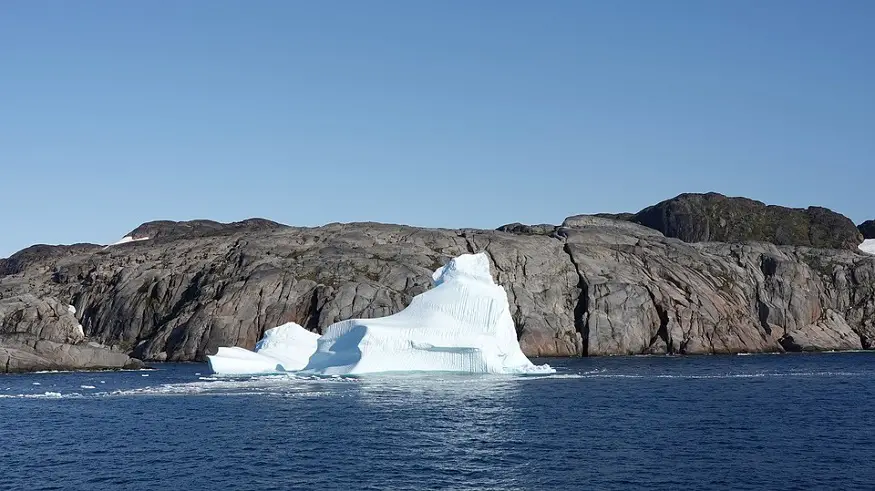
43	334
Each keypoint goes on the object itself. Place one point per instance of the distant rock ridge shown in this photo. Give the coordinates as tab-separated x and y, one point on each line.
167	229
594	285
41	253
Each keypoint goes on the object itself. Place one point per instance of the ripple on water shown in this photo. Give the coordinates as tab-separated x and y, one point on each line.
656	423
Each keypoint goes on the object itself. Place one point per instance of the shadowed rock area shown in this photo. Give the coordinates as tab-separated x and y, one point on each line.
593	286
713	217
867	228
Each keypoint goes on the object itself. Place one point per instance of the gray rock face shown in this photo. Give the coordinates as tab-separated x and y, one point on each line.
42	334
867	228
607	222
717	218
596	286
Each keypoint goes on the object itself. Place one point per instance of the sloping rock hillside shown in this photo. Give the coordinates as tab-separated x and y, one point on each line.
593	286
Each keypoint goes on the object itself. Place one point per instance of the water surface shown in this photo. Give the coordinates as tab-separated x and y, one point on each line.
721	422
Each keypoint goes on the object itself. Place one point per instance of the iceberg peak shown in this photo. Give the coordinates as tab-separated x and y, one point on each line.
473	266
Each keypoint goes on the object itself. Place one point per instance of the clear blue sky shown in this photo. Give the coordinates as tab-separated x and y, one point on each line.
436	113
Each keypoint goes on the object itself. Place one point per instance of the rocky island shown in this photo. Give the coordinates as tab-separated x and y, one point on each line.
695	274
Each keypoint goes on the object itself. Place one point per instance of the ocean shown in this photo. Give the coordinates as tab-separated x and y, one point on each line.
775	422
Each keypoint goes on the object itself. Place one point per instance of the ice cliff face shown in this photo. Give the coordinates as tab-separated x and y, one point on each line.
461	325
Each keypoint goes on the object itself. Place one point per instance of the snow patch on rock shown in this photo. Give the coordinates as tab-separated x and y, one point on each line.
126	239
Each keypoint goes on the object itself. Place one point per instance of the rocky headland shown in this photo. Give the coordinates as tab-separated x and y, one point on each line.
696	274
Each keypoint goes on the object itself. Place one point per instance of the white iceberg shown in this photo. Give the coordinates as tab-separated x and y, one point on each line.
868	246
285	348
461	325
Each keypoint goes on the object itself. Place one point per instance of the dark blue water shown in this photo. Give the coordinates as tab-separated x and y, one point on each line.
734	422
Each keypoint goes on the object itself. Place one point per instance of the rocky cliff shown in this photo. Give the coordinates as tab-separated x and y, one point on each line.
43	334
593	286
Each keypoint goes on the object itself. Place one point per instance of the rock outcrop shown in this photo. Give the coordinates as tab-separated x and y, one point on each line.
43	334
593	286
867	228
713	217
523	229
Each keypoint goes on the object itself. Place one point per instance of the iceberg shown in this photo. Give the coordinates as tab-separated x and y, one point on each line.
463	324
285	348
868	246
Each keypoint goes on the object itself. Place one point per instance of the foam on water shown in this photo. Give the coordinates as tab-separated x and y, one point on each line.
294	385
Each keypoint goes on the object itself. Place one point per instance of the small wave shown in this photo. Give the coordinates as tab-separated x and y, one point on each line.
555	376
726	375
44	395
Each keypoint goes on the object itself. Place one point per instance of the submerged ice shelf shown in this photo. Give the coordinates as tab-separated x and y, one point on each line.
461	325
